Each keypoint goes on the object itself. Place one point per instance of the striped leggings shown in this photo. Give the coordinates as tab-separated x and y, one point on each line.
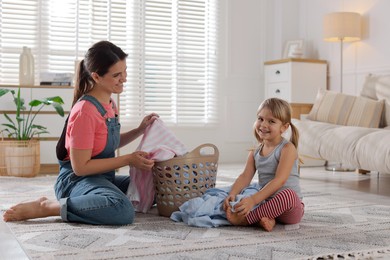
286	208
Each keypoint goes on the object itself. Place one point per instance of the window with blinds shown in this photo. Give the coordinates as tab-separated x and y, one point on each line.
172	47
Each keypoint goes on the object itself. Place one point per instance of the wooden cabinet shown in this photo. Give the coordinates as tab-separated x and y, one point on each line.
295	80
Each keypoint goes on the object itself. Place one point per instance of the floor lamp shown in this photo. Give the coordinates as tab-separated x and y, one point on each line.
341	27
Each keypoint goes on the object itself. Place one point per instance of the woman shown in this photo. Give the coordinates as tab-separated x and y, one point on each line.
87	189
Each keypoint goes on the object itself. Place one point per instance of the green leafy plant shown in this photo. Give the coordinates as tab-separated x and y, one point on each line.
22	127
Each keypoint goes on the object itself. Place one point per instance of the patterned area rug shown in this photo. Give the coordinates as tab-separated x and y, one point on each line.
332	228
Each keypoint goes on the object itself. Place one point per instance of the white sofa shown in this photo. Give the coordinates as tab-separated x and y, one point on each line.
352	130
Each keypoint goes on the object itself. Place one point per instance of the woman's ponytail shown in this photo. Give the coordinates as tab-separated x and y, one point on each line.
83	82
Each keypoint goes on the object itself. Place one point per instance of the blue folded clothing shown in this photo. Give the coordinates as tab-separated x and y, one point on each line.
207	210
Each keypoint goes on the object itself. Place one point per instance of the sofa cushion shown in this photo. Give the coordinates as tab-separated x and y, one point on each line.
310	133
373	151
366	112
339	144
331	107
358	147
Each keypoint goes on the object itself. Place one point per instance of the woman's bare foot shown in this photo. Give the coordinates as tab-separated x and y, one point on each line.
235	219
39	208
267	224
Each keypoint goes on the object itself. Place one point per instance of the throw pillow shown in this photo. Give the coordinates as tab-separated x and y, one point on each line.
331	107
366	112
368	89
382	88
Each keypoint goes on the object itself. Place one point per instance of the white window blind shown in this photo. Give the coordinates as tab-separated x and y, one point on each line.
172	47
172	65
58	32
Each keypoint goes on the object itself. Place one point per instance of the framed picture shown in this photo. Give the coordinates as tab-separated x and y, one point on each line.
290	46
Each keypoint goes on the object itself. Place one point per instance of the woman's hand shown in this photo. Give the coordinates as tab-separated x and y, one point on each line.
148	120
244	206
133	134
139	159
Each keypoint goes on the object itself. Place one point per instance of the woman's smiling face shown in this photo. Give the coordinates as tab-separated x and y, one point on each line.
113	80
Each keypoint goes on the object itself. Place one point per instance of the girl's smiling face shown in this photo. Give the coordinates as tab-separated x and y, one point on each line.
268	127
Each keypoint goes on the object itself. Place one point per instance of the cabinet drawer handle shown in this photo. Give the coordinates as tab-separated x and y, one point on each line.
277	72
277	91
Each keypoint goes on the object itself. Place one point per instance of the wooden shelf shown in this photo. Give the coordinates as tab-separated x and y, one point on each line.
52	166
49	169
39	138
35	86
294	60
11	112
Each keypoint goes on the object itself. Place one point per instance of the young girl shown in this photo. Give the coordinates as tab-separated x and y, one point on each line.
87	188
276	161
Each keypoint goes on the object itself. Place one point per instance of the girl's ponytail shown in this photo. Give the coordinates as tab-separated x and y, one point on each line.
294	135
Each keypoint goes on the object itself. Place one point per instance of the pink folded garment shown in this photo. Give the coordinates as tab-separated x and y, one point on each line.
162	145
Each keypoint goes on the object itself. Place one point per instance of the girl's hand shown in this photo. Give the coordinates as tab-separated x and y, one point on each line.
148	120
139	159
245	206
227	201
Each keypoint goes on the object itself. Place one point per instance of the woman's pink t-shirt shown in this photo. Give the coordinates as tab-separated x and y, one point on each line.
87	128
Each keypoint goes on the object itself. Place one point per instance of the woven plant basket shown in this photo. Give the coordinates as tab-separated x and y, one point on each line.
184	177
20	158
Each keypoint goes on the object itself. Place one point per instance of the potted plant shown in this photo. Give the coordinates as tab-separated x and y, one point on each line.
21	153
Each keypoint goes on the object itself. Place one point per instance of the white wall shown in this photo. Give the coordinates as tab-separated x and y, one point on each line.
370	55
256	31
302	19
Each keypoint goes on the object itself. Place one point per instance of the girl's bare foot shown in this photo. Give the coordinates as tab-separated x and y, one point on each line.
235	219
39	208
267	224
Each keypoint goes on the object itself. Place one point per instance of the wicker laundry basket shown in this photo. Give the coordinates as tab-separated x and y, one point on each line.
184	177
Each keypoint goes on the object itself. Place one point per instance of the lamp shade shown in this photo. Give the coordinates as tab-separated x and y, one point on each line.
342	26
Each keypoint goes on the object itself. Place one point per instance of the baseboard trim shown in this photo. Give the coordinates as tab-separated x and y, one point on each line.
49	169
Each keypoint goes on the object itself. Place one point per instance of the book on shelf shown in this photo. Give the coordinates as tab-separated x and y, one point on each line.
52	76
55	83
56	79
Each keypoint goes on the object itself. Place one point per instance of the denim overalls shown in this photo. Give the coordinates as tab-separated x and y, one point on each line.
95	199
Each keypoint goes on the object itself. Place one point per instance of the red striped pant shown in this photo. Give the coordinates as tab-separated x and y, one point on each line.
286	208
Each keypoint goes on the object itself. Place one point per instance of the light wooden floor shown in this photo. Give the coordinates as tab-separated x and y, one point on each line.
370	187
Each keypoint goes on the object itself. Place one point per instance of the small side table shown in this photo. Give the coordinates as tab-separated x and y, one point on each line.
299	109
